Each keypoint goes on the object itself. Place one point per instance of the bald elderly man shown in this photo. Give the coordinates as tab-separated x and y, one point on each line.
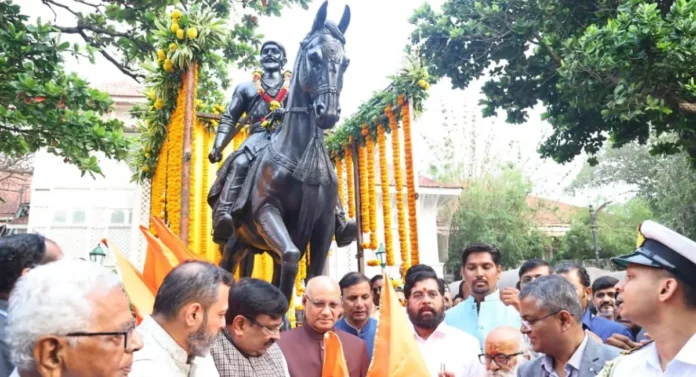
303	347
504	352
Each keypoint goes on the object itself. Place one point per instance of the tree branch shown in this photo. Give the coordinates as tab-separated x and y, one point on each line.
548	49
687	107
95	6
135	76
47	2
80	28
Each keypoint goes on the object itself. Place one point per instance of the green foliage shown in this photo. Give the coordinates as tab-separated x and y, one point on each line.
43	107
412	83
617	232
493	209
603	69
667	184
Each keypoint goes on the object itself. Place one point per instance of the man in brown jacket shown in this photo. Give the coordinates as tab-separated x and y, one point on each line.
304	347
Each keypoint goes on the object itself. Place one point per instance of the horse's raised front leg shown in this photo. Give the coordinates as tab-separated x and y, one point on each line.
319	245
271	227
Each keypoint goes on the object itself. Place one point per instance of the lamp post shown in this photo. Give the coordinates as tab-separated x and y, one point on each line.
380	255
593	222
97	255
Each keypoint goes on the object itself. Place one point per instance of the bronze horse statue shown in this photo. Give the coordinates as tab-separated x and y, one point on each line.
290	193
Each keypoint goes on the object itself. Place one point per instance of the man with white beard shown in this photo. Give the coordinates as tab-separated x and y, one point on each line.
505	351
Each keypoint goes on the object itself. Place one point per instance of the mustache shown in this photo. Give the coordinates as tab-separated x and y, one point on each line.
271	59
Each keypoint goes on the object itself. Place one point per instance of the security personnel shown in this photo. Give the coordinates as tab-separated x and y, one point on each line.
659	294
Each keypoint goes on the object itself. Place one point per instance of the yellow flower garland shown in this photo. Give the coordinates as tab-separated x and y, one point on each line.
175	136
386	201
341	183
372	190
410	180
159	186
399	182
350	183
364	192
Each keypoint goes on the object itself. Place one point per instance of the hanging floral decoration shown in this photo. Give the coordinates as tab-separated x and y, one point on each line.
398	183
350	182
410	180
386	199
372	191
364	192
341	183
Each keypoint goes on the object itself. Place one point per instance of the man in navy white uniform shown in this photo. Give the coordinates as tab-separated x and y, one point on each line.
659	294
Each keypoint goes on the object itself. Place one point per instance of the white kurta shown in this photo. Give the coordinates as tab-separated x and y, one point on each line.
162	356
454	348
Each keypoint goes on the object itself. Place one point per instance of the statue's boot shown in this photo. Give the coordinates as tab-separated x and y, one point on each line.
346	230
223	227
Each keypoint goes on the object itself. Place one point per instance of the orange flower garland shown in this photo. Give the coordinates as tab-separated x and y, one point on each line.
372	188
301	274
341	183
399	182
175	136
386	200
364	192
410	180
158	196
349	182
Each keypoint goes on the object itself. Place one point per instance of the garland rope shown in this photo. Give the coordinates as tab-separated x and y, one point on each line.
386	199
410	180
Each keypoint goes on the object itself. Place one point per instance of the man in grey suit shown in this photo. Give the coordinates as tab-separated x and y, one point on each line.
552	319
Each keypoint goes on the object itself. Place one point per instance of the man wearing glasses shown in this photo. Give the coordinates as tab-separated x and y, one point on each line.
247	347
71	318
505	351
303	347
552	319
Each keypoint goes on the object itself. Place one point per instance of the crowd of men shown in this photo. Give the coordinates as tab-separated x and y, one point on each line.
72	318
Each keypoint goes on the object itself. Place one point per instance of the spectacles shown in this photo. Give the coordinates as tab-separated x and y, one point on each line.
527	323
126	334
419	296
500	359
264	328
319	304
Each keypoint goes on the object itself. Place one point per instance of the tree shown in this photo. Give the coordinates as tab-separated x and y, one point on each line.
666	184
617	232
42	106
493	209
604	69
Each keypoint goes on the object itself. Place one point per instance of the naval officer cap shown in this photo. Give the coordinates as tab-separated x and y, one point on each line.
661	247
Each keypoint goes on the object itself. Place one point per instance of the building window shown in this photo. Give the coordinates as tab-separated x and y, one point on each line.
121	216
79	216
60	216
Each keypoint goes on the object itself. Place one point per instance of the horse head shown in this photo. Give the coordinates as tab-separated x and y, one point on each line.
321	66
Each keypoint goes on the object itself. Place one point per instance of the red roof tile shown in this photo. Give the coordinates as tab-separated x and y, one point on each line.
550	211
12	195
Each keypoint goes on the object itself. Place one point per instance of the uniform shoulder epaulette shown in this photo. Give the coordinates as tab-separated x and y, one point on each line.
628	352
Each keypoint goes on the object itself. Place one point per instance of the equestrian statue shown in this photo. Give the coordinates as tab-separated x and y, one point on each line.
278	191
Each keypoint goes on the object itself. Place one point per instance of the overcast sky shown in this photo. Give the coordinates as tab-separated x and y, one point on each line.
376	38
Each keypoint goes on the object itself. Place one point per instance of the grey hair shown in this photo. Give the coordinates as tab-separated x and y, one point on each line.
52	300
554	293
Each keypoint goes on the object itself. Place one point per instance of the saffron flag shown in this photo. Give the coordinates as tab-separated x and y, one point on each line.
396	353
141	297
334	360
159	260
173	242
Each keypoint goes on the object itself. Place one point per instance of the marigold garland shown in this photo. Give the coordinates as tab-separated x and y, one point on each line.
386	200
364	191
175	139
341	183
410	180
196	197
372	188
350	182
399	182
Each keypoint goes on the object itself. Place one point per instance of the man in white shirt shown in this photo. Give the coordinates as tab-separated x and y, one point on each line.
659	294
189	312
447	351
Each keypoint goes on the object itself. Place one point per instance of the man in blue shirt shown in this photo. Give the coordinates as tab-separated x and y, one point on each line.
483	310
578	276
356	297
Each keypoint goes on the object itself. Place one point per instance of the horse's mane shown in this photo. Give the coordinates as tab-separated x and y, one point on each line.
329	28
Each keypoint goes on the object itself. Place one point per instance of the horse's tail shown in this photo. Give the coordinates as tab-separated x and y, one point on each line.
305	219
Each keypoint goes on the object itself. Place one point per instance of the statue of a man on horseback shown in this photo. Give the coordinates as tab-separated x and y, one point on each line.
259	106
278	193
